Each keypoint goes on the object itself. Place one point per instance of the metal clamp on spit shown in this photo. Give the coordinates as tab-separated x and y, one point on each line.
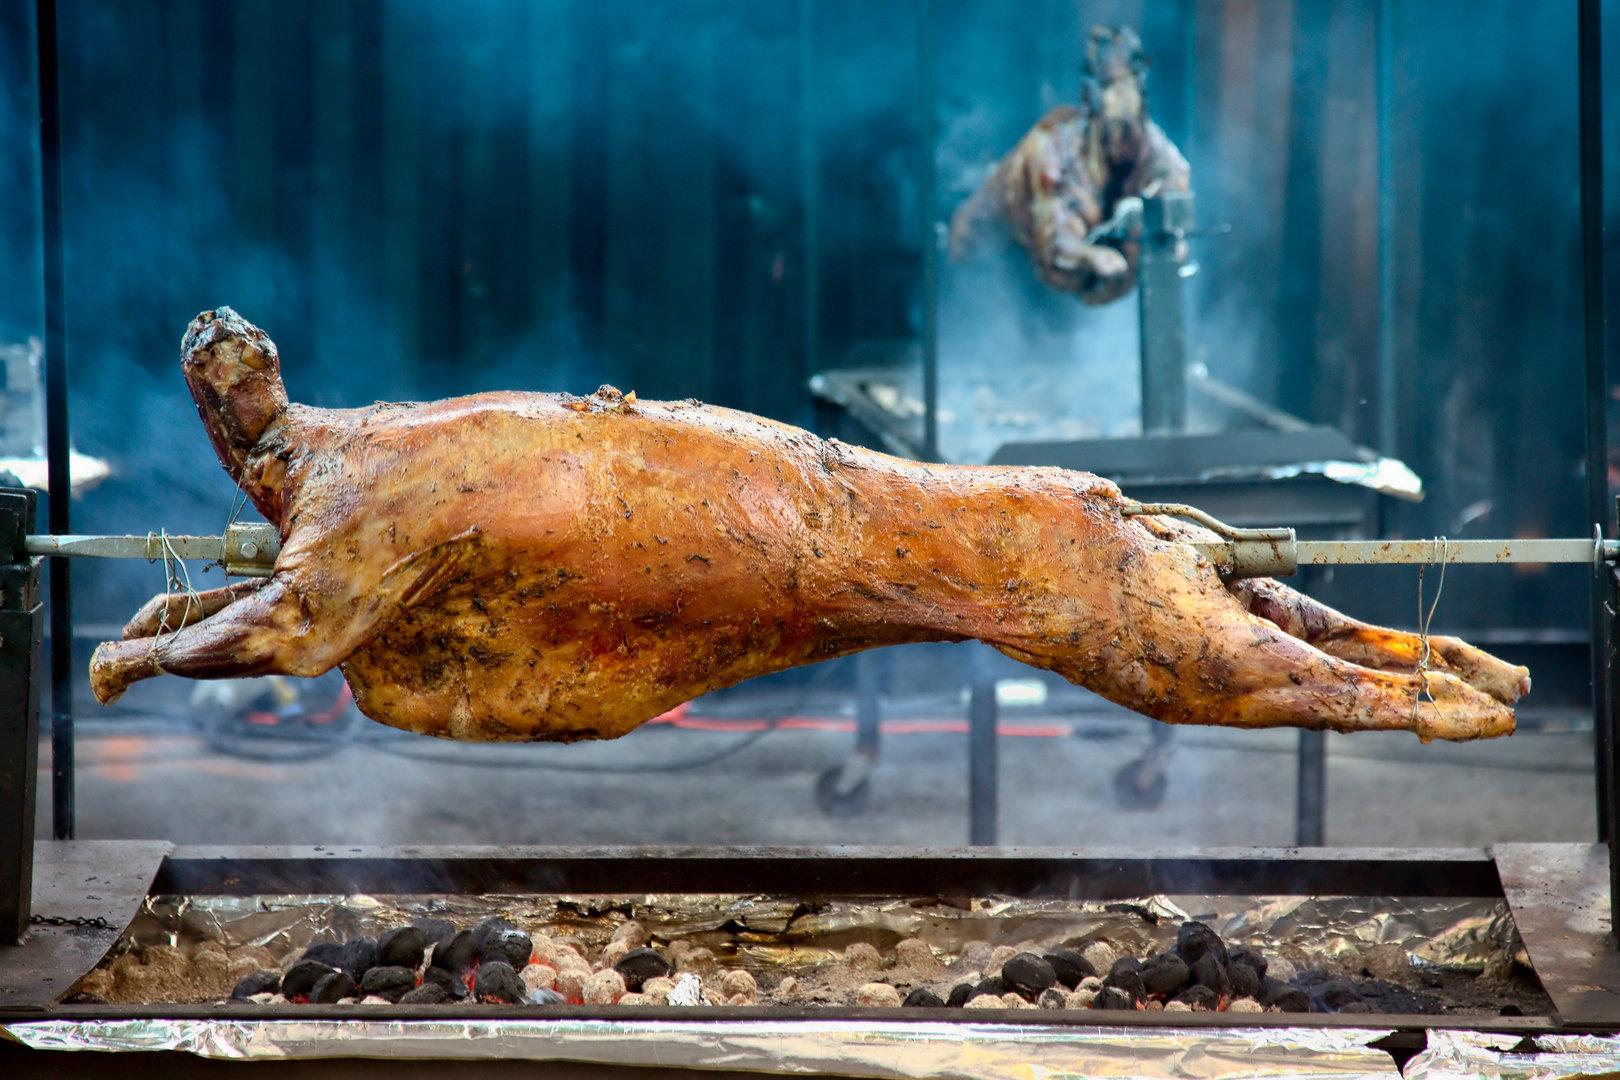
248	549
1275	552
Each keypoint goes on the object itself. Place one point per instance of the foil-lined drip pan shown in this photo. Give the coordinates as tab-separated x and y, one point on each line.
885	1050
1467	940
775	935
1465	934
1469	1055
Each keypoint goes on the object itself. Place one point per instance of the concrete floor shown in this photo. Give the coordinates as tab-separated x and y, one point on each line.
153	780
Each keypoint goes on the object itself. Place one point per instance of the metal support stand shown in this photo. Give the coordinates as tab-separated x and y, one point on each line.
56	420
1166	220
844	789
983	768
1310	785
21	638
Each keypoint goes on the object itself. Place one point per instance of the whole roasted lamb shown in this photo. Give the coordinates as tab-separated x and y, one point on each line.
1065	192
515	566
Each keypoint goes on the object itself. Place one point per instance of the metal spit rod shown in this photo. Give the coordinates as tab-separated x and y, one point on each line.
250	549
1275	552
246	549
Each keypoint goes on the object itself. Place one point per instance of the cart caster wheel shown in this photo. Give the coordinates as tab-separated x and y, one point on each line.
1141	784
845	790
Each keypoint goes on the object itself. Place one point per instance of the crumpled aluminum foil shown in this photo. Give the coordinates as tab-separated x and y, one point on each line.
1471	1055
761	932
884	1050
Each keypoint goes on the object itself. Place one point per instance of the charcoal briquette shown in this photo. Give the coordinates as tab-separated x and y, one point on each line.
1198	996
457	954
1194	939
429	993
639	965
1028	974
498	984
1051	998
1251	957
508	945
1112	997
392	982
1338	993
1244	979
959	995
993	985
301	978
481	933
329	953
454	982
1165	975
1127	982
402	947
331	989
1126	963
1210	972
1069	967
359	956
435	930
923	998
257	982
1285	997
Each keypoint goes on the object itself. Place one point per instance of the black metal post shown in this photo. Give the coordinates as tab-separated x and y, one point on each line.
1165	221
927	197
1388	398
868	701
984	793
809	188
1310	789
1589	38
21	626
56	421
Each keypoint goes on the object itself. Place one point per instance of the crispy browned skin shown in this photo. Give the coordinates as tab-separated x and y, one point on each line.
536	566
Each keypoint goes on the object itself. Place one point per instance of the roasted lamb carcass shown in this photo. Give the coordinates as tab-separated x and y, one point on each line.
1063	191
540	566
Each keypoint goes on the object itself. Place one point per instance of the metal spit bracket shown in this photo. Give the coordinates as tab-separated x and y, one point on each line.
247	549
1275	552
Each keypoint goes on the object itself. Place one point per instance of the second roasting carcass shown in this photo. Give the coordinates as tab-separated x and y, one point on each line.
516	566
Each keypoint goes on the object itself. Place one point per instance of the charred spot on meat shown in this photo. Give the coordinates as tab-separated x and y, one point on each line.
408	530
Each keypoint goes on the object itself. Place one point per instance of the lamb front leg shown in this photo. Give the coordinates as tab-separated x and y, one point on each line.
270	631
281	627
175	611
1350	639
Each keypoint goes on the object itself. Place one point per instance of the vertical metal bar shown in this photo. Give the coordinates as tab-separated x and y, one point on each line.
1310	794
1384	63
21	622
56	421
810	188
1589	45
983	769
927	197
868	706
1159	310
